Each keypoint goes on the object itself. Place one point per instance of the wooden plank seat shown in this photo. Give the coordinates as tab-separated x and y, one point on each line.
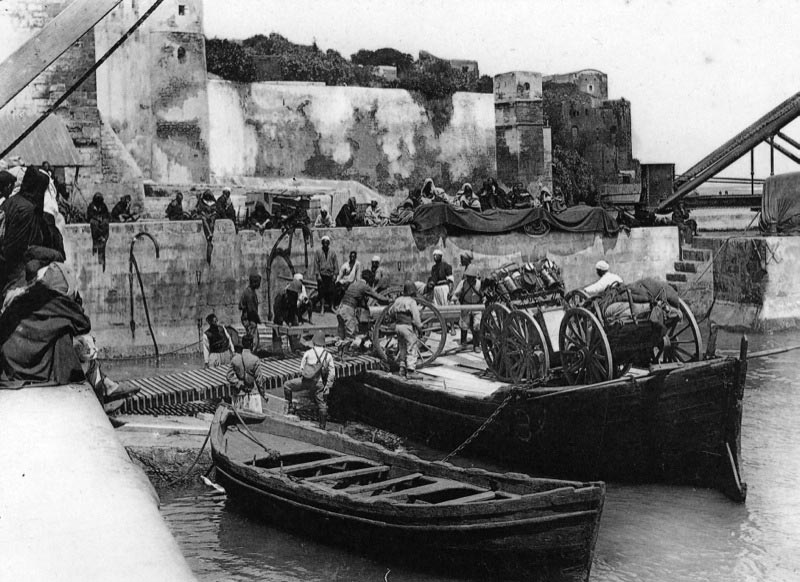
380	485
341	476
437	487
322	463
483	496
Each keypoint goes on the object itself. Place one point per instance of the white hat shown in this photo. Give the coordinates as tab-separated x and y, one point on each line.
376	259
326	238
298	276
437	252
226	189
601	266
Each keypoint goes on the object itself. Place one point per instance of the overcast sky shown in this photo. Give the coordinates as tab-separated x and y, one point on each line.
696	72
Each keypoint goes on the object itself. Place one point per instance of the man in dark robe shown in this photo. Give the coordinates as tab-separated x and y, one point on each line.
248	305
224	206
37	327
99	220
122	210
260	220
348	215
25	228
175	208
7	181
206	211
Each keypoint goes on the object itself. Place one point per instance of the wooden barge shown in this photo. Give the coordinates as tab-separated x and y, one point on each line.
675	423
429	514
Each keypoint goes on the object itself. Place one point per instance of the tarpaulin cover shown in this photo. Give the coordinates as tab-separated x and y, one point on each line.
780	204
573	219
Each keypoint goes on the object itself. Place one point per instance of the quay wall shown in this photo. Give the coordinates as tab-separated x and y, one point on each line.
182	288
73	505
756	281
388	139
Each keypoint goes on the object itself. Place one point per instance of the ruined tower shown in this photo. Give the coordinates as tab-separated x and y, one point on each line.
523	142
153	90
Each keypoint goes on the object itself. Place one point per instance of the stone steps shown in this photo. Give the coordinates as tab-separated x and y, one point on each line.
693	278
673	277
694	254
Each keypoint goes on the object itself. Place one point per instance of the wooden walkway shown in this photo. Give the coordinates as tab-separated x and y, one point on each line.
171	390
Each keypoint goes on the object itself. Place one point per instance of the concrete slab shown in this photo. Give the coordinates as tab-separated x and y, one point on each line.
73	506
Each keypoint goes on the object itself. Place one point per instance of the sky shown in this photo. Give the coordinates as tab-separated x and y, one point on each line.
696	72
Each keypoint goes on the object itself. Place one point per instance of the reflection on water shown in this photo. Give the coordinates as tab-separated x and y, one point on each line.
647	532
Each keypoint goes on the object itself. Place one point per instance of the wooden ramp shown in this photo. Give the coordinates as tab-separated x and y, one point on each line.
169	390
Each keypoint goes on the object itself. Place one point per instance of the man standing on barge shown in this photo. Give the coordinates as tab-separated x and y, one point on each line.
406	313
441	279
248	305
326	267
217	344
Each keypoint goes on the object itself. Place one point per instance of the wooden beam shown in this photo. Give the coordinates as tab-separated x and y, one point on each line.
33	57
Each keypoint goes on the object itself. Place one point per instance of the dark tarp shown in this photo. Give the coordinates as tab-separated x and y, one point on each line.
780	204
573	219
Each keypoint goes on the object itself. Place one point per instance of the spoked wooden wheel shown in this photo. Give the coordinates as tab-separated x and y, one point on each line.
492	338
585	352
682	342
576	298
524	349
432	336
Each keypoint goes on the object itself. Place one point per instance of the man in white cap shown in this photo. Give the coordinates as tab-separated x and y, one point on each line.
441	280
380	278
604	281
326	267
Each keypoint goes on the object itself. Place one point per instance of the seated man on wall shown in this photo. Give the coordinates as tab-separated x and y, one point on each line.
175	208
122	211
374	216
323	219
348	214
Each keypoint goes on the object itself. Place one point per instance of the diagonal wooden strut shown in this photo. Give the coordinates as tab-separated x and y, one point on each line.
33	57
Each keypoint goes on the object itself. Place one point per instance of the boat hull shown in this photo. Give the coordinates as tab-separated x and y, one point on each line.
550	540
680	426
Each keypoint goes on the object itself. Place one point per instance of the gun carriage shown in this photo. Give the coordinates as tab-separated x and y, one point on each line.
531	330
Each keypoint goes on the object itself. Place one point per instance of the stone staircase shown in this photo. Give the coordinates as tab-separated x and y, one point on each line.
693	278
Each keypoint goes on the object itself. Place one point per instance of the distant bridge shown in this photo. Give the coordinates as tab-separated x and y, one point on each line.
764	130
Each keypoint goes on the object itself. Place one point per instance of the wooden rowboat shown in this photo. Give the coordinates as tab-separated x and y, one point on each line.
675	423
397	506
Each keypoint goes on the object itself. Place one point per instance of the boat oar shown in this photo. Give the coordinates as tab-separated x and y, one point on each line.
773	352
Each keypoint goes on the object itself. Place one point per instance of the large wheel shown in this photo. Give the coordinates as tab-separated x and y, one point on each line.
585	352
525	353
492	338
682	342
432	336
576	298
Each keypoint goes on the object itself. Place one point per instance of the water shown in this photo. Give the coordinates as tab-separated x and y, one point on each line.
647	532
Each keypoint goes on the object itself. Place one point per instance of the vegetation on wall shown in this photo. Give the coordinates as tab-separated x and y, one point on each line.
572	177
431	78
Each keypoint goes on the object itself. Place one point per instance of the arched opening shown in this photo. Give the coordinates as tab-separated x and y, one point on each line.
181	54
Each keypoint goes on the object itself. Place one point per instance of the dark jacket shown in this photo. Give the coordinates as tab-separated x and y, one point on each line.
36	333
